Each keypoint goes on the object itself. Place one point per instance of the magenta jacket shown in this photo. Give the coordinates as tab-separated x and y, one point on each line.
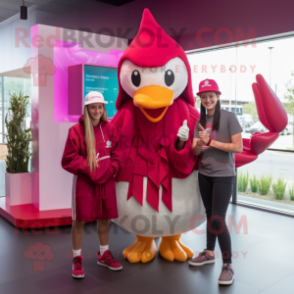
74	158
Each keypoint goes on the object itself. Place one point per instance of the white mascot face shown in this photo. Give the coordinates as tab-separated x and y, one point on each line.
156	87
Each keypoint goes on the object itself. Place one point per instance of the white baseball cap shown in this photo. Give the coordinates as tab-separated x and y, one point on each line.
94	97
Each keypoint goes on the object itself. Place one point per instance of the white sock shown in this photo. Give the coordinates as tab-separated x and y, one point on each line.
76	252
103	249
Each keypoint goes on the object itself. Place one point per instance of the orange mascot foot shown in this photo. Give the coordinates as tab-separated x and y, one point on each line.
171	248
144	250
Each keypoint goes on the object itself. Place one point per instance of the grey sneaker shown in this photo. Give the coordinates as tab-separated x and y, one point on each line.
227	275
203	258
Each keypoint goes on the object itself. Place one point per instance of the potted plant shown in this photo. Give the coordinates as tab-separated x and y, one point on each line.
18	137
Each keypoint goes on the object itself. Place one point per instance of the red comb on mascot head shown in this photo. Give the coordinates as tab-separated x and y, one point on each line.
157	187
153	48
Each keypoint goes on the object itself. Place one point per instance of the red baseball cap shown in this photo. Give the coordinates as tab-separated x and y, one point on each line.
208	85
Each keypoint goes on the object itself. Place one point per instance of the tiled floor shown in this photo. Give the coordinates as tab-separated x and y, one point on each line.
263	261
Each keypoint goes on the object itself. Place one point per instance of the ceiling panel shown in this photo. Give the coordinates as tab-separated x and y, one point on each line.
9	8
69	3
116	2
53	7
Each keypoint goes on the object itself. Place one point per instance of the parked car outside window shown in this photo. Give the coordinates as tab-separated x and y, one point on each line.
259	127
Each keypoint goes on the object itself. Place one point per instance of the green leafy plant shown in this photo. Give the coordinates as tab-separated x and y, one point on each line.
279	188
253	183
263	185
243	179
17	136
291	192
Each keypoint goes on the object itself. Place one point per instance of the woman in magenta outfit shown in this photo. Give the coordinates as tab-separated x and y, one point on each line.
91	153
217	137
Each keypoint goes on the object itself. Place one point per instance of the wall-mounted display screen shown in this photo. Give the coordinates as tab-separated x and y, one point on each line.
103	80
84	78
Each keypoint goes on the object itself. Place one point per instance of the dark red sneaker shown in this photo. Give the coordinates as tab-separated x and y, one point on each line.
107	260
77	267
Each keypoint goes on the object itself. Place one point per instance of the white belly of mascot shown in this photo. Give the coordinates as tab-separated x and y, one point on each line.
188	212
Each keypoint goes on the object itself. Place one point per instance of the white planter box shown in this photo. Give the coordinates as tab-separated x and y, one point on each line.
18	188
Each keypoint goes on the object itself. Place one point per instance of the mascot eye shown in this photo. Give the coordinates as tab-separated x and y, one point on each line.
169	77
136	78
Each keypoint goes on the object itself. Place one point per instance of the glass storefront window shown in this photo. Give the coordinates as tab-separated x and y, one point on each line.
235	69
1	110
9	85
15	85
271	167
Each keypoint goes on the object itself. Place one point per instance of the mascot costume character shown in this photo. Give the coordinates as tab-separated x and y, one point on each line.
157	187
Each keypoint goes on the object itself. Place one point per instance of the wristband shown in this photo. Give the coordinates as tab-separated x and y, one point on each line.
209	141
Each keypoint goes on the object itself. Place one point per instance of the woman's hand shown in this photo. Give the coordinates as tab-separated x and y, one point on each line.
197	146
204	136
196	142
92	163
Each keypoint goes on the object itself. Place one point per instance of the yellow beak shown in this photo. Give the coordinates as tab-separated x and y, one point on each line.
153	97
